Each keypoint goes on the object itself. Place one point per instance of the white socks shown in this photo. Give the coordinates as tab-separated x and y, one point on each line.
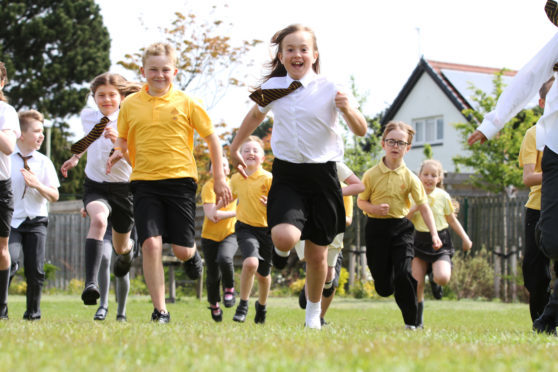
313	310
281	253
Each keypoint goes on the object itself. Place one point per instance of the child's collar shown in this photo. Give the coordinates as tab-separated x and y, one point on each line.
384	168
306	79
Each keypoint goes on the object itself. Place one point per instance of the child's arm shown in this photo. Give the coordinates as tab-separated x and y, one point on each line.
222	190
354	185
50	193
530	177
70	163
7	141
376	209
456	226
355	120
120	151
428	218
412	211
215	215
249	124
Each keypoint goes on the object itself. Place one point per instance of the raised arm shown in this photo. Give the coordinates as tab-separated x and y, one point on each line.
222	190
249	124
354	118
456	226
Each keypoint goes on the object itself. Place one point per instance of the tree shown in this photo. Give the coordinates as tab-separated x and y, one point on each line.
51	49
495	162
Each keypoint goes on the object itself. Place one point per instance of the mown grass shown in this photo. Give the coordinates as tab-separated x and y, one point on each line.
362	335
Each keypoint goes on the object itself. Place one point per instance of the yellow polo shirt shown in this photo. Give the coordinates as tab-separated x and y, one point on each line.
250	209
220	230
528	154
348	203
160	134
440	203
393	187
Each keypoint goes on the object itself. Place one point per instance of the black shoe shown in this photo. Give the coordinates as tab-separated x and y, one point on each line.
159	317
544	324
216	314
28	316
241	311
323	322
229	299
123	262
4	312
302	298
327	292
194	266
121	318
279	262
437	290
90	294
101	313
261	312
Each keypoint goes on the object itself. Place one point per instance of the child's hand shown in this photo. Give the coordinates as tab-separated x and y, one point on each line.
222	192
69	164
341	101
111	134
263	199
30	179
116	156
83	212
467	245
381	209
475	137
436	242
238	163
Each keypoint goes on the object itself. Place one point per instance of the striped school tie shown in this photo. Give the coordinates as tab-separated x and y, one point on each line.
26	167
551	9
82	145
264	97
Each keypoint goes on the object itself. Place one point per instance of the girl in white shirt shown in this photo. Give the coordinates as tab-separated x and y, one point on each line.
305	200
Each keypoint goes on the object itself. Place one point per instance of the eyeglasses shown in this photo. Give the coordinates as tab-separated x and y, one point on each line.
392	143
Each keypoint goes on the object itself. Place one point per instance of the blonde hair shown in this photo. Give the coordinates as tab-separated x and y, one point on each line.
116	80
439	170
3	80
129	88
27	117
256	139
159	49
393	125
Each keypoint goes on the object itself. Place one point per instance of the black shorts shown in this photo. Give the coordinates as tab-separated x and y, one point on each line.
166	208
424	250
118	199
255	242
6	207
309	197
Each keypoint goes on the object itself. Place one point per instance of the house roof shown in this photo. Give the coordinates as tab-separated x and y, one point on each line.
455	80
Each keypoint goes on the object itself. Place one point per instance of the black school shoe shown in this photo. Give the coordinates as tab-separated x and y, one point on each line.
121	318
101	313
229	299
241	311
261	312
90	294
4	312
437	290
302	298
544	324
194	266
122	265
216	314
28	316
161	318
279	262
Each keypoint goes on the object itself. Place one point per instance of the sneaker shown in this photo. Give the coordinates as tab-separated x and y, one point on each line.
159	317
229	299
437	290
241	311
101	313
123	262
90	294
194	266
216	313
4	312
121	318
261	311
545	325
302	298
279	262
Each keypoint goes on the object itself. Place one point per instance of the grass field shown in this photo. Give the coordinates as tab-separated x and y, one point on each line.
362	335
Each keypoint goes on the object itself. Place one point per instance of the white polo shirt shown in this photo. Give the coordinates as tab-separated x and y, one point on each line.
305	123
98	152
32	204
8	120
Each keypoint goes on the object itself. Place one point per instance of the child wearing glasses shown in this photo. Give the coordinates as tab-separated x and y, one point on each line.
386	200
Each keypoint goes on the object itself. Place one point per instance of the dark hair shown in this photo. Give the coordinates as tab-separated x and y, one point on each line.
3	80
26	117
275	66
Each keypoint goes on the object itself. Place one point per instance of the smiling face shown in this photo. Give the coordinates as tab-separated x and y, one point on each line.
430	176
298	54
107	98
252	154
32	138
159	71
396	152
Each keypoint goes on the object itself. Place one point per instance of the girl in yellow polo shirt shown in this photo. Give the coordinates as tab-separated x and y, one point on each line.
386	200
431	175
219	246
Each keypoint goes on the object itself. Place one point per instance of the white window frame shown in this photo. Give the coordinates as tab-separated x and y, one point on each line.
431	123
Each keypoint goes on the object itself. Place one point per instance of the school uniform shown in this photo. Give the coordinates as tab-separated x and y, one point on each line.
306	142
389	239
29	225
219	246
252	231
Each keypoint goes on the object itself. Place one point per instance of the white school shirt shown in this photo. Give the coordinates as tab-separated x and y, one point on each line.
8	120
343	172
98	152
521	90
32	204
305	122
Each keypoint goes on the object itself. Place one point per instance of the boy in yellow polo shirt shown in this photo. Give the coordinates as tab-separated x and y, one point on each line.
156	135
389	235
252	232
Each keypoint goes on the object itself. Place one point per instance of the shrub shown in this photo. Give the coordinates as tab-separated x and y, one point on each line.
138	286
343	279
364	289
472	277
75	286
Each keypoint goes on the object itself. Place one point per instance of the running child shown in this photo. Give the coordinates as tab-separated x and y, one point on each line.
34	184
252	232
9	132
386	200
431	175
219	247
305	200
104	195
156	134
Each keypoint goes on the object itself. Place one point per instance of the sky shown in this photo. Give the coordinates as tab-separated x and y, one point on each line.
379	42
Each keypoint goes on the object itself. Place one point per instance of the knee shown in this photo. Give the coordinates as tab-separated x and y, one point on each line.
383	289
99	222
150	247
442	279
285	237
250	265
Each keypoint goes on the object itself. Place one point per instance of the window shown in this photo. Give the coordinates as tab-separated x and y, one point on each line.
429	130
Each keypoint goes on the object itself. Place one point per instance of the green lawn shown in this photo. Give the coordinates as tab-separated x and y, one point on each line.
362	335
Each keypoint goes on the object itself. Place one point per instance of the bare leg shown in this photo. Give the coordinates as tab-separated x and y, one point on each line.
264	284
249	267
152	249
419	271
442	272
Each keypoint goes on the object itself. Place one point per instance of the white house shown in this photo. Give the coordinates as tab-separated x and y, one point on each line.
433	99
